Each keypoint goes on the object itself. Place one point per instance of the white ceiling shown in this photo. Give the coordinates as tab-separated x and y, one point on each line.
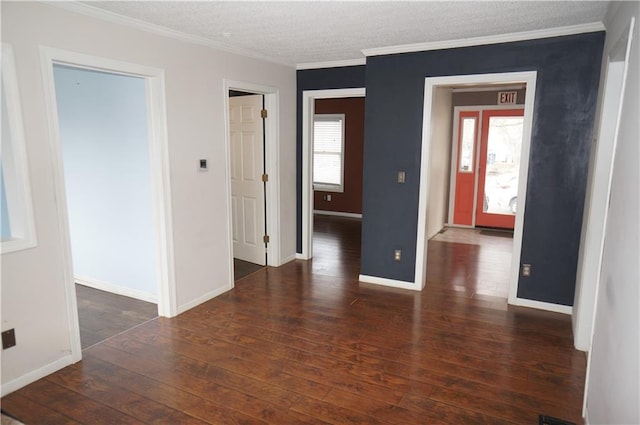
299	32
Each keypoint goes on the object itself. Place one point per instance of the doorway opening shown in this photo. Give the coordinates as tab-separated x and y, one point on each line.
483	189
338	142
102	119
253	192
324	197
470	163
248	185
151	129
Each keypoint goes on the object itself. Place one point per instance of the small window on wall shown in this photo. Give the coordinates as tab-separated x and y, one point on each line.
16	214
328	152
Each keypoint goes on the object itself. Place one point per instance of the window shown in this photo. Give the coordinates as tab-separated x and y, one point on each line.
328	152
16	215
467	143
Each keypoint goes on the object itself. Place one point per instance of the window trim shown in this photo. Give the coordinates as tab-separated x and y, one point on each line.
326	187
15	165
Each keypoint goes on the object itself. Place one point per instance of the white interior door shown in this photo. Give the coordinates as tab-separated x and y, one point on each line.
247	188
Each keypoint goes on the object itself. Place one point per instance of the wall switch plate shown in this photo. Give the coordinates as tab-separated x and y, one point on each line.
526	270
397	255
401	177
8	339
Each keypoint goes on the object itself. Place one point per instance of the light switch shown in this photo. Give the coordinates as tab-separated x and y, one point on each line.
203	165
401	177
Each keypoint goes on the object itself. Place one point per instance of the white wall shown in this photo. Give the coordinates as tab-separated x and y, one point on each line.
33	299
105	147
597	192
438	201
614	372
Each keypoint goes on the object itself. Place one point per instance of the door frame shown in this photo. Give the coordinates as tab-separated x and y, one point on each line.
454	157
431	83
308	110
271	156
160	182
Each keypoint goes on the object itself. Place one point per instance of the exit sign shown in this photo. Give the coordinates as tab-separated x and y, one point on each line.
507	97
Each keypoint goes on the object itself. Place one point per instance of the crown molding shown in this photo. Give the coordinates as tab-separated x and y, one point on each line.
331	64
492	39
114	18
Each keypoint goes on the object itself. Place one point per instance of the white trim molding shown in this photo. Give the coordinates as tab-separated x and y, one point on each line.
331	64
289	259
540	305
15	166
116	289
114	18
492	39
389	282
308	111
34	375
204	298
160	183
431	83
271	157
337	214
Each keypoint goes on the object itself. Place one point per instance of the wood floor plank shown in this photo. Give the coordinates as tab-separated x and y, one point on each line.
127	402
169	395
28	411
306	343
80	408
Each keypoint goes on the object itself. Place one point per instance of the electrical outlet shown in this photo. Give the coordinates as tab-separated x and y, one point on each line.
526	270
8	339
401	177
397	255
202	165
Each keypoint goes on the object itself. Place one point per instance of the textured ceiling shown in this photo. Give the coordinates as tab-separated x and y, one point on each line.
317	31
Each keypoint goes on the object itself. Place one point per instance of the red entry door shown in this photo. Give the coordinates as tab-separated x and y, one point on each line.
468	124
498	168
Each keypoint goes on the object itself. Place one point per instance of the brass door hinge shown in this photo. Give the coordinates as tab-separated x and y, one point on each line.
265	238
263	113
265	178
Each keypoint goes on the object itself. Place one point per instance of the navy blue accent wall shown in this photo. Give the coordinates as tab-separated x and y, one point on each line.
566	90
319	79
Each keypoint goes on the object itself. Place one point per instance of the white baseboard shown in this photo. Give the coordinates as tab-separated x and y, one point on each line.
206	297
34	375
337	213
556	308
116	289
388	282
301	257
289	259
586	416
458	226
434	234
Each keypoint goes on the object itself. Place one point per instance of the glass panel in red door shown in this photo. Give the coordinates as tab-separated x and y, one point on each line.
499	168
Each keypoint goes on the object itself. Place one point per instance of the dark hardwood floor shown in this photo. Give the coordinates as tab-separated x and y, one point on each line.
243	268
102	315
308	343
